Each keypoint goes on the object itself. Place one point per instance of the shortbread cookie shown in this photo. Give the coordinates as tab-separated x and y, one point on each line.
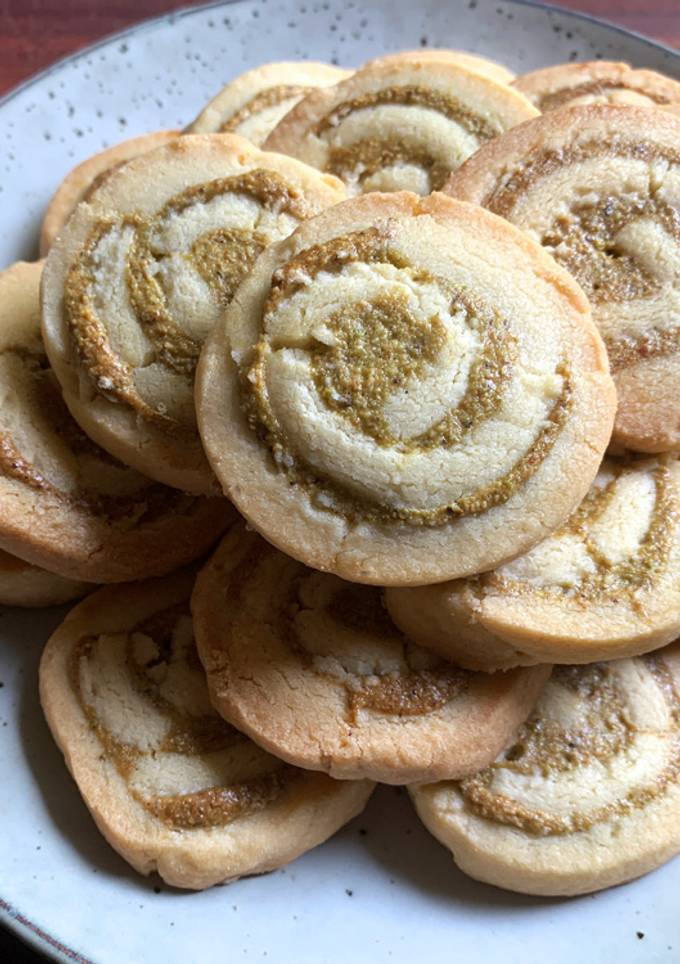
140	275
403	125
597	82
254	103
86	176
605	585
22	584
586	797
170	785
407	389
480	65
312	668
65	504
599	188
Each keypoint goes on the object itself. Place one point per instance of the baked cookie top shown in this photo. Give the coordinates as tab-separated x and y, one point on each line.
475	62
171	785
401	125
599	188
254	102
604	585
407	390
84	178
22	584
586	797
140	275
597	82
65	504
312	668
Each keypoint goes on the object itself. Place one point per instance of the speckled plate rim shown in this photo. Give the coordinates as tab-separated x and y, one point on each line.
21	926
183	12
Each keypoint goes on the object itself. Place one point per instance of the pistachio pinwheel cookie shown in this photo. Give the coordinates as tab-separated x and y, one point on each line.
312	668
403	125
22	584
406	390
144	269
253	103
588	794
604	585
84	178
171	786
597	82
599	188
65	504
480	65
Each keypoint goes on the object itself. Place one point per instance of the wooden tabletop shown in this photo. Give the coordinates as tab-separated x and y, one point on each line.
33	33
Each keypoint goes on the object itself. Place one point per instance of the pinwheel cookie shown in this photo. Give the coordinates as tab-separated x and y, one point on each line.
254	103
171	786
65	504
480	65
140	275
605	585
597	82
586	797
86	176
403	125
599	188
406	391
312	669
22	584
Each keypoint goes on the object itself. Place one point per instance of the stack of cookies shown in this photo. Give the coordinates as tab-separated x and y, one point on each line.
406	340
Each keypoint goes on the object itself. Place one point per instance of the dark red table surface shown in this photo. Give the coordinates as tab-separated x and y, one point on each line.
33	33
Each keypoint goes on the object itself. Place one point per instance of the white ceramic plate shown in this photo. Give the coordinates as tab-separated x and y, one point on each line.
382	890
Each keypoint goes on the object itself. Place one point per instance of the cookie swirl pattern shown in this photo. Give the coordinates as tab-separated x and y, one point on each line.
368	365
598	82
172	786
399	125
604	585
66	504
140	277
313	669
599	188
587	796
254	102
86	177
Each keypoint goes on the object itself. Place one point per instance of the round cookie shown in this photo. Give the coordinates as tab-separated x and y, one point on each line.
406	391
65	504
474	62
253	103
597	82
605	585
86	176
142	272
171	786
22	584
403	125
312	668
599	188
586	797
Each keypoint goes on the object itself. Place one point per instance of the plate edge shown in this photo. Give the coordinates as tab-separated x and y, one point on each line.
183	12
